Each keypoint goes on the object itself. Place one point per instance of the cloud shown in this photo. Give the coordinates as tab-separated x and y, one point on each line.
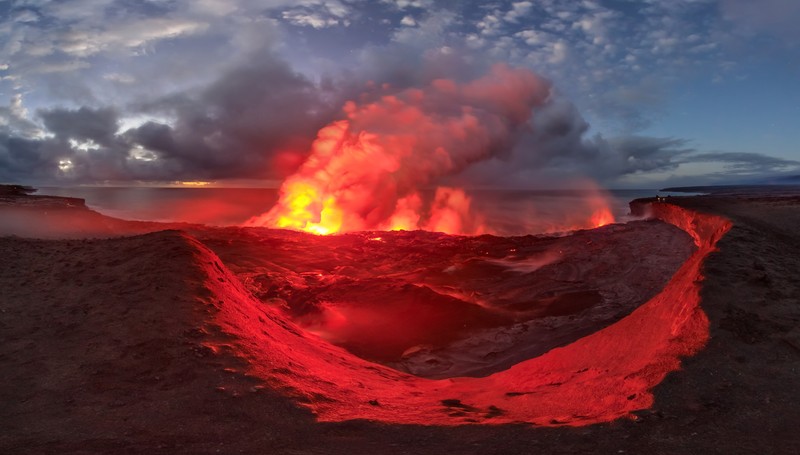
318	14
778	18
518	11
738	163
408	21
133	36
254	121
258	119
14	119
221	82
237	125
597	45
314	20
164	45
98	125
406	4
77	30
559	150
22	158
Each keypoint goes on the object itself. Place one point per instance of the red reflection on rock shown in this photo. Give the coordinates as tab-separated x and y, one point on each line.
601	377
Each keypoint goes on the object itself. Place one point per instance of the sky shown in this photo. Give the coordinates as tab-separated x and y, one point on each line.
624	93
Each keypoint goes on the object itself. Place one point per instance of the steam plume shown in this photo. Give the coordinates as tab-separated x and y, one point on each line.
366	171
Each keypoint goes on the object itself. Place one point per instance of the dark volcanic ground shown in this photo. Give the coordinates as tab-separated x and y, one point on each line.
167	395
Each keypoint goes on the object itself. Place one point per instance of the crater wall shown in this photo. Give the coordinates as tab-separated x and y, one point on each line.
601	377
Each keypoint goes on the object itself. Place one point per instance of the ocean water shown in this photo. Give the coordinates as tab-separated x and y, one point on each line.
505	212
212	206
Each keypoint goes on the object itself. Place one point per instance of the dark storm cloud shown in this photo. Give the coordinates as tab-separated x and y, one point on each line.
645	154
559	149
21	157
255	121
744	163
98	125
237	125
559	140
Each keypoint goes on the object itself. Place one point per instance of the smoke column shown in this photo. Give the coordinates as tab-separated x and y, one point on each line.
366	171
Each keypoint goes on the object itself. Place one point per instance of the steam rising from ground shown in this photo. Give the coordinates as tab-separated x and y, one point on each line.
367	171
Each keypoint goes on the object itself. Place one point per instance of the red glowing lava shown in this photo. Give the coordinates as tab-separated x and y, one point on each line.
602	218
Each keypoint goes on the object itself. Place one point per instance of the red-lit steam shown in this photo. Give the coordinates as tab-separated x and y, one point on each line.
366	172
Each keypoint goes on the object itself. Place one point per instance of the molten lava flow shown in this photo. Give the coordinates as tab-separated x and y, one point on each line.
308	209
366	172
597	202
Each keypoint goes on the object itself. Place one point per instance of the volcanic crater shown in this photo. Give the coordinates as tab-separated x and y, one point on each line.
416	327
428	328
436	305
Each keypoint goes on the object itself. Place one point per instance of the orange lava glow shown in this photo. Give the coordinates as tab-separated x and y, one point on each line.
602	218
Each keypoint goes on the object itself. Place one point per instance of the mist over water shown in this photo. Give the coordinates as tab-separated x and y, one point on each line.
507	212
